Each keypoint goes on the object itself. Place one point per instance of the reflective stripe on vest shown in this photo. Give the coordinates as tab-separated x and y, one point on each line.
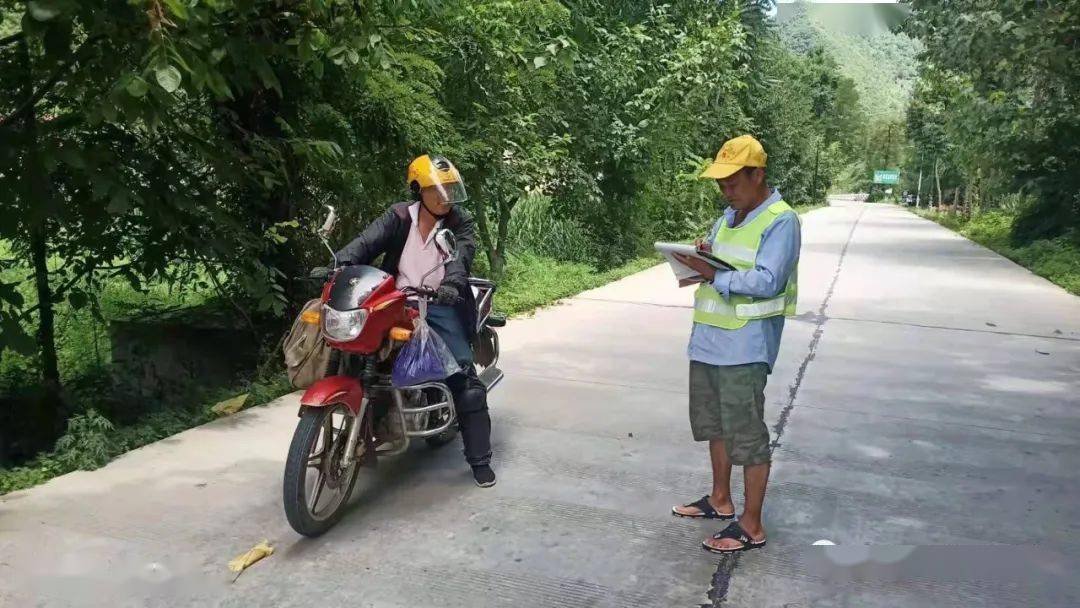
761	308
711	306
733	254
739	246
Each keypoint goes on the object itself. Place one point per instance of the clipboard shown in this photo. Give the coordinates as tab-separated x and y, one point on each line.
712	259
684	274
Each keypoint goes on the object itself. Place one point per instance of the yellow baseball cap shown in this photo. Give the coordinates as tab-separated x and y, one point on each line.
743	151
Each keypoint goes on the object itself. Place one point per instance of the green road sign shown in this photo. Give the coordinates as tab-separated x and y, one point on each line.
886	176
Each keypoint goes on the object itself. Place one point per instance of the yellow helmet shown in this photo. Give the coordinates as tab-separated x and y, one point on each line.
439	173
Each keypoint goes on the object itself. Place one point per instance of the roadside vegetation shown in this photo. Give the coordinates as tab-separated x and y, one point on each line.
993	128
162	169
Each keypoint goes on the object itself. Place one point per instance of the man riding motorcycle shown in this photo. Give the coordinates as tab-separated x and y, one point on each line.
405	237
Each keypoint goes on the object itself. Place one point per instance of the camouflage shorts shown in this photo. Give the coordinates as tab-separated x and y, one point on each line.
728	402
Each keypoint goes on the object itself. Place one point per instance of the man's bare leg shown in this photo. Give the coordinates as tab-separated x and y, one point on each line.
755	478
721	478
720	497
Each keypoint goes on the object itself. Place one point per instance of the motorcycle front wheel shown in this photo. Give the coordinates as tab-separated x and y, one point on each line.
317	486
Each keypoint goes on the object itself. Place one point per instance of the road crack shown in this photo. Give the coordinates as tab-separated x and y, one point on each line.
821	318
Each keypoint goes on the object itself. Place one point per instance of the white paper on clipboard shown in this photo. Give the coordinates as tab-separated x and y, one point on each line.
683	273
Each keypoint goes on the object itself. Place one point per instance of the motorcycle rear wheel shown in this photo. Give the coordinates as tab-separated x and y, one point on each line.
435	421
443	438
313	468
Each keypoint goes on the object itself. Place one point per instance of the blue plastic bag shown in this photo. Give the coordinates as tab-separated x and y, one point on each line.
424	358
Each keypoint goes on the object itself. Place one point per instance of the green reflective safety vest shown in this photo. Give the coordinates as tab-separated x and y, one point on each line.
738	246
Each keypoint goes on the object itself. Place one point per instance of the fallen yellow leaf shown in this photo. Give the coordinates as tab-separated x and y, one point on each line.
252	555
230	406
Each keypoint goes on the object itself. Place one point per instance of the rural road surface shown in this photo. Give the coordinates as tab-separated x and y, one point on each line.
926	418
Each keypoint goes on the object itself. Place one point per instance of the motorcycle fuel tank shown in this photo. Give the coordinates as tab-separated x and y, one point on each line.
353	285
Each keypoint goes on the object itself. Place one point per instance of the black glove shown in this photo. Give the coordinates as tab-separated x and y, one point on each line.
446	295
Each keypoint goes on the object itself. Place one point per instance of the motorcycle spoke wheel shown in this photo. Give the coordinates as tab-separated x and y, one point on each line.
329	474
317	485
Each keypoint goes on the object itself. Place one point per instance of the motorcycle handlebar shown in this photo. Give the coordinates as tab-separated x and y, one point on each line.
322	273
419	291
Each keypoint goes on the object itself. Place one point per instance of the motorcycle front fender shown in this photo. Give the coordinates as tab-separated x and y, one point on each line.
335	389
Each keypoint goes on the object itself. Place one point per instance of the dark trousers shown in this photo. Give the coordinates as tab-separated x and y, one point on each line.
470	396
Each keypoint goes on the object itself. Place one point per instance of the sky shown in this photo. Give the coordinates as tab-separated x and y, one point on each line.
836	2
859	10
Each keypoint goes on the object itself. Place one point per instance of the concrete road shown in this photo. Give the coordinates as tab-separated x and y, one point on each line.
926	416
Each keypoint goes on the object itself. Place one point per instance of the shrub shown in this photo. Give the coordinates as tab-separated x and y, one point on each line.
1015	203
534	226
532	280
86	443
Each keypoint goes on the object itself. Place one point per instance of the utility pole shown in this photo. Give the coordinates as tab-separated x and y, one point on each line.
888	148
937	178
868	156
918	189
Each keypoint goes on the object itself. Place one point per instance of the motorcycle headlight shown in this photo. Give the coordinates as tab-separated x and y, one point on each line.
343	326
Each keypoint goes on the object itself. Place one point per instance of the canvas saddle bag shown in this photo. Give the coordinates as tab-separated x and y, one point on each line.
306	353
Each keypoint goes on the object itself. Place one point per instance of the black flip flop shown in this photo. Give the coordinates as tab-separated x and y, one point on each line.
734	531
707	510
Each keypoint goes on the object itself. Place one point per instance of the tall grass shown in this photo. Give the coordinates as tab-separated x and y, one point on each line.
532	281
536	228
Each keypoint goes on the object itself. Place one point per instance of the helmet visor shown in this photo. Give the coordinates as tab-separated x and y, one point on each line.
451	193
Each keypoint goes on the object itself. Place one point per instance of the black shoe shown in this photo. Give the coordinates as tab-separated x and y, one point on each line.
484	476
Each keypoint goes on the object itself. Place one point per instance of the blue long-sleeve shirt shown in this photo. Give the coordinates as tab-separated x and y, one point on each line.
758	340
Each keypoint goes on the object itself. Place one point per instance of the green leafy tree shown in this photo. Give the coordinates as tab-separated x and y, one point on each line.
1011	71
877	70
190	144
132	128
505	64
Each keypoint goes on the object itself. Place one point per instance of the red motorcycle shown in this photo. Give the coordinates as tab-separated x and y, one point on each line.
354	414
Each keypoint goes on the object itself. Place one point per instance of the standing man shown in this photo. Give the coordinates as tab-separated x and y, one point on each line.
738	320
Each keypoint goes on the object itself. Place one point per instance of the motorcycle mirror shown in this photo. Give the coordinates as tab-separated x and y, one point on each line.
447	243
331	220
